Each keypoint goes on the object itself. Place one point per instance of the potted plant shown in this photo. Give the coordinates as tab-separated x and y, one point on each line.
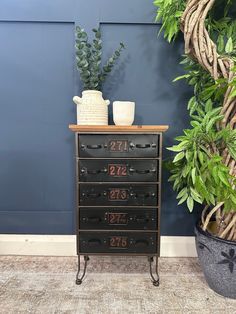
92	108
204	167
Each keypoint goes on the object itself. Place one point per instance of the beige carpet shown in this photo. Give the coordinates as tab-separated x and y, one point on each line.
120	286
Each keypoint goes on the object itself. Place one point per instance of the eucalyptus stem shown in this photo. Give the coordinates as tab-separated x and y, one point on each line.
89	55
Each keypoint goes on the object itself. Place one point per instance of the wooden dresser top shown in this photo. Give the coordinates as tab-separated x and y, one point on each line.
115	128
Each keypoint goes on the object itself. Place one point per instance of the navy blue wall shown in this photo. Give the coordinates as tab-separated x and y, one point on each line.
37	83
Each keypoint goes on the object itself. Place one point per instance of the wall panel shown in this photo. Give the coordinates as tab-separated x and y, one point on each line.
38	80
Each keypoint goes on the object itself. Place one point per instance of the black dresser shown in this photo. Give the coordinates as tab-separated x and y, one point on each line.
118	188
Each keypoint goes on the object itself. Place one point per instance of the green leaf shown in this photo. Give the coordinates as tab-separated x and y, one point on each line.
201	157
98	34
229	45
195	124
215	174
233	93
193	174
189	155
190	203
182	193
223	178
196	197
232	152
179	156
221	43
178	13
175	148
233	198
212	199
213	121
178	148
186	170
185	76
183	199
107	69
208	106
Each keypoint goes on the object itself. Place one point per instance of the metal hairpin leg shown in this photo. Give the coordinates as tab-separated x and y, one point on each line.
79	280
154	280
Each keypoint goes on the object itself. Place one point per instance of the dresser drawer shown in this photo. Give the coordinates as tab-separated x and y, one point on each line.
118	218
117	242
110	170
118	194
118	145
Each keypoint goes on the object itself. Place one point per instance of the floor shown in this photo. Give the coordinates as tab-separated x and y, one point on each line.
120	286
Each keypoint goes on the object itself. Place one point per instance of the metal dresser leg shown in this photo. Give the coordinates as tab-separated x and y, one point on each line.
154	274
79	280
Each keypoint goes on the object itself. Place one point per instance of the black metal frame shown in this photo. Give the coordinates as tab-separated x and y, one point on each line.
152	258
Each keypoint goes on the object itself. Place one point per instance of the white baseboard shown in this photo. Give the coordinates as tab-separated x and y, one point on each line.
178	247
65	245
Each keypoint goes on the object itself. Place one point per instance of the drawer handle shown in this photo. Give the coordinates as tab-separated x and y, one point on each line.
83	170
143	145
141	219
93	171
142	171
147	195
94	242
92	195
143	195
92	219
141	243
103	170
132	170
94	146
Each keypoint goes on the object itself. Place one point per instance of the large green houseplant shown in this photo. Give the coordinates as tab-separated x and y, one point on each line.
204	167
92	108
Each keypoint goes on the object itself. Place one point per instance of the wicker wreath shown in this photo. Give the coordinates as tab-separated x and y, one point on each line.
199	45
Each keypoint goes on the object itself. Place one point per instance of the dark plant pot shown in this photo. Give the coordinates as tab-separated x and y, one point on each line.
217	258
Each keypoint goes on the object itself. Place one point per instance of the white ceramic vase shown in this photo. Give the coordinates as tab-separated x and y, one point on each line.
92	109
123	112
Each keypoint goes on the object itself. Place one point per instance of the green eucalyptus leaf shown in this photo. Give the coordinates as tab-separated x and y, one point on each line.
88	57
110	60
98	34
